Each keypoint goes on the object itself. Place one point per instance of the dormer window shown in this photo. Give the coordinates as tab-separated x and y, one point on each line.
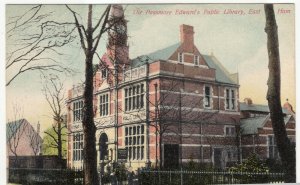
180	57
196	60
104	73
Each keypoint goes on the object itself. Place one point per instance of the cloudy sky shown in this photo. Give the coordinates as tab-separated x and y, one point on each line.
238	41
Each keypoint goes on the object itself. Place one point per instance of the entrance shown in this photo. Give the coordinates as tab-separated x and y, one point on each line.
171	156
103	146
218	158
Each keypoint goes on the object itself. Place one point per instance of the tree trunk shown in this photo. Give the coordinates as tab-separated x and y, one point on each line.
59	142
160	151
286	150
89	128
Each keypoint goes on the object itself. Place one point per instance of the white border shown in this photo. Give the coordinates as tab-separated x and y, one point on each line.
2	54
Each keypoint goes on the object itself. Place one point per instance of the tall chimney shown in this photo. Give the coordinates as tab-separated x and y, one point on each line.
187	37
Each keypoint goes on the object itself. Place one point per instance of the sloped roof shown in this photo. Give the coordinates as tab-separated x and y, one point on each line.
162	54
12	127
257	108
222	75
250	125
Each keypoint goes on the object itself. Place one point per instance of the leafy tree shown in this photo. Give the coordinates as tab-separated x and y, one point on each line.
50	148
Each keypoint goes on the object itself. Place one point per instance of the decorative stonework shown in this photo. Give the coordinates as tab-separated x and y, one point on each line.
134	116
135	73
105	121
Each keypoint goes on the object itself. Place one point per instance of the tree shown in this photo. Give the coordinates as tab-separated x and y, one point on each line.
35	43
35	140
53	91
285	148
89	43
175	111
49	146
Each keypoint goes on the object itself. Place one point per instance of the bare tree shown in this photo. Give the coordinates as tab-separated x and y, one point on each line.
54	92
15	130
35	140
89	38
35	43
285	148
176	111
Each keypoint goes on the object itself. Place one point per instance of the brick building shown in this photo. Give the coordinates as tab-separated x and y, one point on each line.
189	98
257	135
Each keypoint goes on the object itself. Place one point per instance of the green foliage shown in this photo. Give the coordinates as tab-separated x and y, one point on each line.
252	164
47	148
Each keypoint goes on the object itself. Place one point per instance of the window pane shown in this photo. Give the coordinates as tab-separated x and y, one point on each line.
142	129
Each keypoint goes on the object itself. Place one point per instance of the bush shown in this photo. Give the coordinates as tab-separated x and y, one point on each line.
252	165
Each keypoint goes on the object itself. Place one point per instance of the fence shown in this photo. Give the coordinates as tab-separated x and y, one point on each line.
149	177
44	176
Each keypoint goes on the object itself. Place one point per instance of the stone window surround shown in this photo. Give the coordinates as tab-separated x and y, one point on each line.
139	145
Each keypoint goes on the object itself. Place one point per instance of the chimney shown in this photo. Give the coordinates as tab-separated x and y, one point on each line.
248	101
187	37
288	107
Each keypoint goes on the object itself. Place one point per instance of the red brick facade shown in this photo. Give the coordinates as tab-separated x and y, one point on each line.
187	98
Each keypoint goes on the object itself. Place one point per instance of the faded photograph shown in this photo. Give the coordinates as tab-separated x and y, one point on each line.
150	94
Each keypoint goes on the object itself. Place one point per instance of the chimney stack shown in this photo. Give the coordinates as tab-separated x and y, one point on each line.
248	101
187	37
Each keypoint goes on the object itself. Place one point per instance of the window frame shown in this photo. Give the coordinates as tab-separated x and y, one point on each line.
209	101
77	147
104	73
232	130
78	110
230	99
134	97
196	60
135	142
181	57
104	106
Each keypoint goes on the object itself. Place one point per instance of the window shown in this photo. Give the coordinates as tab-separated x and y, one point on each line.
134	97
196	60
134	142
230	99
104	73
77	110
229	131
207	97
77	147
180	57
104	103
273	151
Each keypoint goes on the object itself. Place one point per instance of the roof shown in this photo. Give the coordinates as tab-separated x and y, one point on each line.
222	75
251	125
257	108
12	127
162	54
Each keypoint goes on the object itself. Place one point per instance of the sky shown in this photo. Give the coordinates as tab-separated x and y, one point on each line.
237	41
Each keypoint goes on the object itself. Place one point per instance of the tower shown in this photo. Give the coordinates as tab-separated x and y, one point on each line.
117	47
